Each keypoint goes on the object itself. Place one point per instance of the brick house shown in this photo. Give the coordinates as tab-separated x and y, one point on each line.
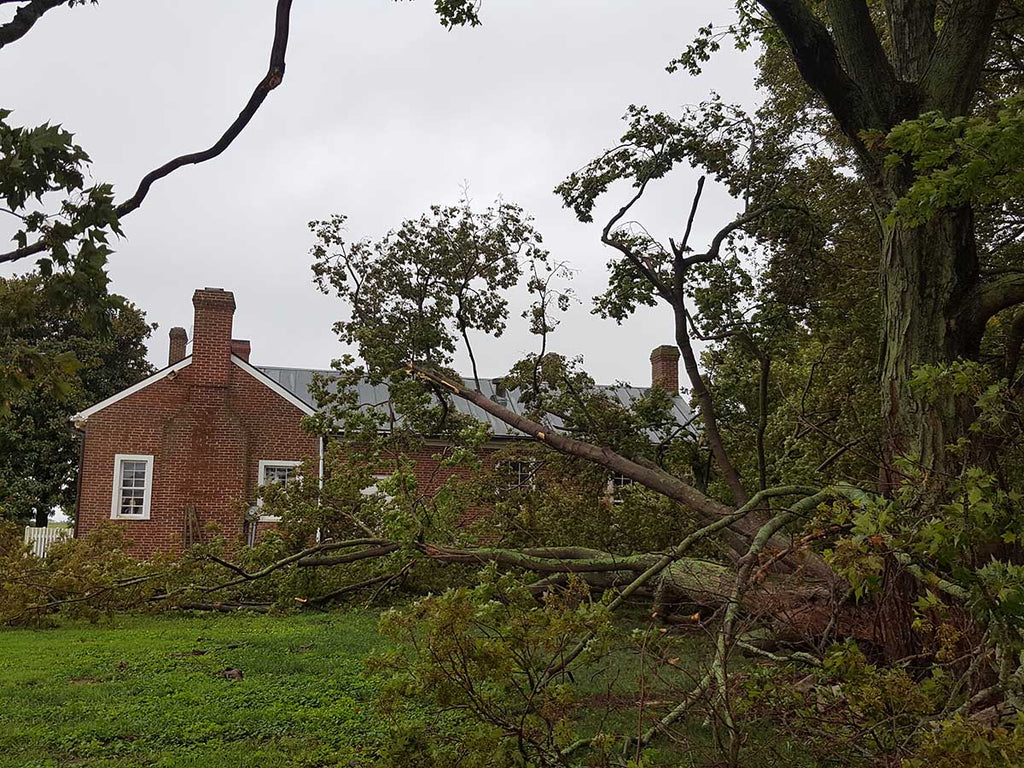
190	444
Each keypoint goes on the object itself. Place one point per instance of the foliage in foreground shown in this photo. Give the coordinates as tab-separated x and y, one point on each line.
490	652
881	204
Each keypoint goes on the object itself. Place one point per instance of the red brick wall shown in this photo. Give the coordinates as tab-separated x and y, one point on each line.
207	426
178	342
431	476
206	441
211	335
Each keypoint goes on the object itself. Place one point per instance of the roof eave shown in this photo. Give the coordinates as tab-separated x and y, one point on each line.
79	419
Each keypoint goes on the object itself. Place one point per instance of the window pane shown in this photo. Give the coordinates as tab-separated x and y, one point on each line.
621	481
277	474
132	487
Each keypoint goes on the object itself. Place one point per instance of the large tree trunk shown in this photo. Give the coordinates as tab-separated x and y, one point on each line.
925	272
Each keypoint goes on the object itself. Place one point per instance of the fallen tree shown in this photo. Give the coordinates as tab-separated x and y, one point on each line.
868	216
880	189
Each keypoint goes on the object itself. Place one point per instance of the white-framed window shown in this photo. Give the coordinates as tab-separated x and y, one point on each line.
521	473
615	485
276	471
133	487
373	490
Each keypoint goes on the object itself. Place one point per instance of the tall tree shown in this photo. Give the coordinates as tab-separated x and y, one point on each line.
872	66
849	160
39	449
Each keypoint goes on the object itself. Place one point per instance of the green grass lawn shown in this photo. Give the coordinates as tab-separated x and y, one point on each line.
149	691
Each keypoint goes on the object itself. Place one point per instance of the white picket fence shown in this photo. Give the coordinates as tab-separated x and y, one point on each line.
42	539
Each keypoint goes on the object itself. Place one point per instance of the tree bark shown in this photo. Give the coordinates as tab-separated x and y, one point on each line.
912	30
707	407
894	617
24	19
926	273
737	535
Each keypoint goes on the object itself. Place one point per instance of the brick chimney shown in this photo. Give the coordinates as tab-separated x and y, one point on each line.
665	368
176	352
241	348
211	335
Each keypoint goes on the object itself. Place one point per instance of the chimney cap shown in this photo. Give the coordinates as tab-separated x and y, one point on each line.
214	296
177	331
241	348
665	350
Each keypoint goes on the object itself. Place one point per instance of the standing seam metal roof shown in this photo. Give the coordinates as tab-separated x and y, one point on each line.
298	382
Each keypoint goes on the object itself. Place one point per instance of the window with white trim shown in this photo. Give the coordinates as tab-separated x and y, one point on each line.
521	473
133	487
615	485
276	471
373	490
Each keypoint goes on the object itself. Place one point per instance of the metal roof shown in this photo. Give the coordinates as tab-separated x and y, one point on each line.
298	382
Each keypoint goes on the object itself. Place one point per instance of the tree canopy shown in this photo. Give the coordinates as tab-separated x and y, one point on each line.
39	448
859	315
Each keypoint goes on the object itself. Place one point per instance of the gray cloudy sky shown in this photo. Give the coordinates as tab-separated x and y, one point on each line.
382	113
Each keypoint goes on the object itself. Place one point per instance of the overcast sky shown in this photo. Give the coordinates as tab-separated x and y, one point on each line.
382	113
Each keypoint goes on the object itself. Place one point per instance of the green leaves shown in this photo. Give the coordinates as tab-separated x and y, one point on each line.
421	290
710	135
486	652
710	37
36	162
973	159
458	13
59	353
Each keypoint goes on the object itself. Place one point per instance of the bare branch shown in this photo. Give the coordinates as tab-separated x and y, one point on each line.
762	417
305	553
991	297
681	266
270	81
652	477
363	554
25	18
384	578
678	251
635	259
715	249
